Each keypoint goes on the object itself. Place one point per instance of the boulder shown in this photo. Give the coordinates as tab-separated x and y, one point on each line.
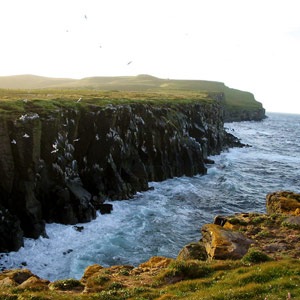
35	283
193	251
17	276
89	271
156	262
222	243
283	202
293	220
7	282
105	208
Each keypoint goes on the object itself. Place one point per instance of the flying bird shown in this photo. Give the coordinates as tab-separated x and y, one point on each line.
23	117
25	135
79	100
85	17
25	100
13	142
129	63
76	140
54	151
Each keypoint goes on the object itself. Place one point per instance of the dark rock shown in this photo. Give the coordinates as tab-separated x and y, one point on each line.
11	234
68	251
220	220
244	115
106	208
209	161
78	228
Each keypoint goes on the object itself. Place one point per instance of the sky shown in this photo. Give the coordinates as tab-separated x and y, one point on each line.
251	45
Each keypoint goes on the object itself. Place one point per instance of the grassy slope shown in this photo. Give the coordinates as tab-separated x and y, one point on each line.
226	280
235	99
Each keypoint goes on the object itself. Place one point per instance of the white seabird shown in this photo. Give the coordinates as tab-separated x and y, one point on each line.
25	135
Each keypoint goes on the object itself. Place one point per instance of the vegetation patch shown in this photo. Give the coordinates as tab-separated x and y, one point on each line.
66	284
256	257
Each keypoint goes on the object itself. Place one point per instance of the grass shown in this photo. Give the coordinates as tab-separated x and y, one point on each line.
12	101
256	257
216	280
66	284
119	90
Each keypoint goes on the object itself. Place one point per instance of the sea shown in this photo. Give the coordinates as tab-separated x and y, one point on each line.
161	221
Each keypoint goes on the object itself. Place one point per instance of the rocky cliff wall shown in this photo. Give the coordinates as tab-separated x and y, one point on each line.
61	166
244	115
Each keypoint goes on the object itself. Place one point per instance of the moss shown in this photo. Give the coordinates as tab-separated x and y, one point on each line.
185	270
290	225
236	221
258	220
264	233
256	257
66	284
124	272
8	297
115	286
99	280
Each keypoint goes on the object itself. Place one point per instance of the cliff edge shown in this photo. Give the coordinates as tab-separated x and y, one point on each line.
61	160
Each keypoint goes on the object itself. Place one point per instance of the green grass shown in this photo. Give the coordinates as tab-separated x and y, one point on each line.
142	85
256	257
12	101
66	284
216	280
273	279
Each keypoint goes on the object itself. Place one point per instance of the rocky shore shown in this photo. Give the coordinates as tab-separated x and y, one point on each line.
248	252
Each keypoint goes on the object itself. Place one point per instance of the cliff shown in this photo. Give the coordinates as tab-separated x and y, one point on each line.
244	115
60	165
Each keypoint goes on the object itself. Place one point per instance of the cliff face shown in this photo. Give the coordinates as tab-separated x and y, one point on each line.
244	115
61	166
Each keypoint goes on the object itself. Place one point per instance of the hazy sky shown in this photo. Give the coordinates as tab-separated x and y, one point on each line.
251	45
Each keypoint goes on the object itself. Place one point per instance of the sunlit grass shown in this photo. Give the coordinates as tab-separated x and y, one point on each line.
216	280
20	100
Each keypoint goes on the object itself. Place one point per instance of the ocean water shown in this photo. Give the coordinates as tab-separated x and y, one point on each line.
162	221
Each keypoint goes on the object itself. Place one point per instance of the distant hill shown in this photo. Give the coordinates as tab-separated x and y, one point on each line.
235	99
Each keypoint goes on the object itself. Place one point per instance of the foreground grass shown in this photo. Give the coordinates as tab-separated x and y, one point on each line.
193	280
